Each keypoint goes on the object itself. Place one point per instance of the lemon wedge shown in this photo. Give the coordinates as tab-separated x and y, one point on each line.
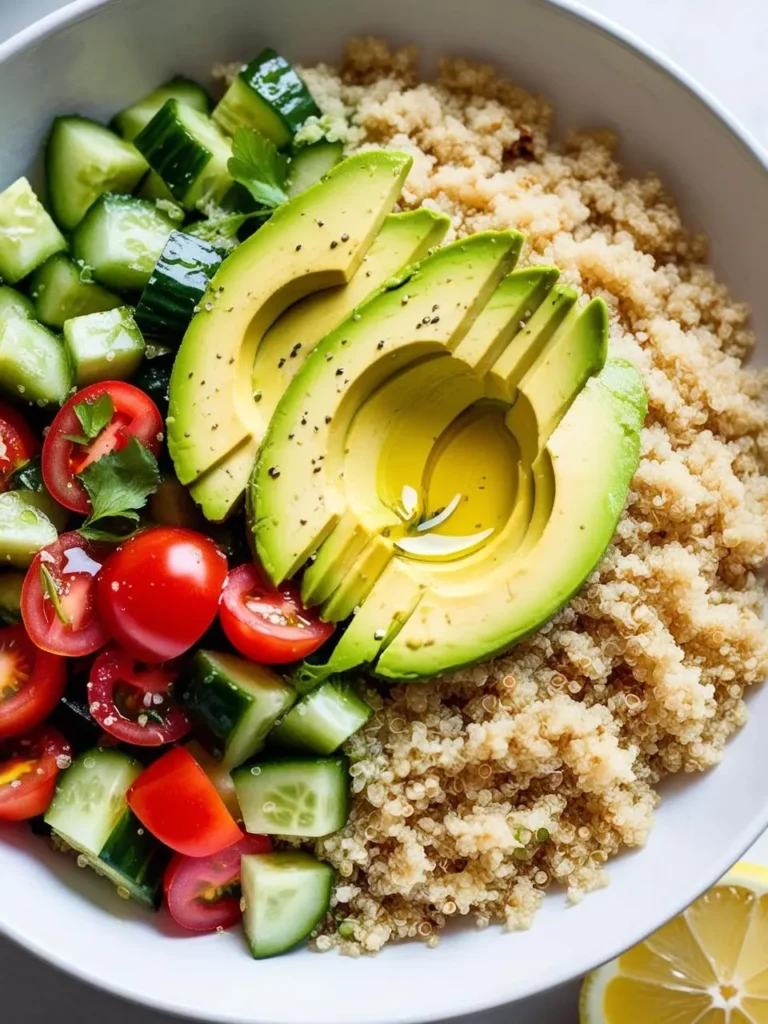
707	966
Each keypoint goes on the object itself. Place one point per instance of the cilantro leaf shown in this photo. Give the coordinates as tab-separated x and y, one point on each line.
119	483
109	536
256	164
93	417
50	591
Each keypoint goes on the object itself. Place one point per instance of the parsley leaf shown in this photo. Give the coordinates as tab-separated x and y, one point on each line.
50	591
256	164
222	230
119	483
93	417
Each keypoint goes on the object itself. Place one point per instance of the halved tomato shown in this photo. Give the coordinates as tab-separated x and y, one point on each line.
268	624
28	769
203	893
17	443
133	702
58	599
134	415
31	682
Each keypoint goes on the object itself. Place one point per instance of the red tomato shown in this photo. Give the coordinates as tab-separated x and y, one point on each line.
268	624
28	769
31	682
126	700
158	592
203	893
73	564
135	415
17	443
178	803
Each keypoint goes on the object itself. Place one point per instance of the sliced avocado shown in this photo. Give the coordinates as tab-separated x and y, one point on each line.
299	482
317	240
404	238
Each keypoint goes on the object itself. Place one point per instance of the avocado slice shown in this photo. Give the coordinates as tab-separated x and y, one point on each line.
315	241
404	238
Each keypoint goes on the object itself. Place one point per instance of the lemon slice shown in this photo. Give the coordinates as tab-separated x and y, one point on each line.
707	966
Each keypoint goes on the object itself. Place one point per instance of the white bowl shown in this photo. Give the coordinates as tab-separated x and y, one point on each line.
95	56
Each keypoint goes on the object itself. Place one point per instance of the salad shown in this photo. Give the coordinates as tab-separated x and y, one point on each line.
140	724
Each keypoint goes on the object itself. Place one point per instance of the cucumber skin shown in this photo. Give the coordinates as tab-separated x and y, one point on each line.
299	730
133	852
154	378
133	119
273	78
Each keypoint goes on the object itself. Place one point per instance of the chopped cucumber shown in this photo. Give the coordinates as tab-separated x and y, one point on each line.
28	477
189	153
104	346
10	597
153	187
33	363
176	286
154	376
311	163
286	896
322	720
293	797
84	160
61	290
14	305
28	235
24	529
233	703
89	812
29	480
214	769
121	239
269	96
133	119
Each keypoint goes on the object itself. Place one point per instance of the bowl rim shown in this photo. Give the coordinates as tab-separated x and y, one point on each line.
78	10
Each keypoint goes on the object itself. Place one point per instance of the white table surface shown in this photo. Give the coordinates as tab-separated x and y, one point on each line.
727	56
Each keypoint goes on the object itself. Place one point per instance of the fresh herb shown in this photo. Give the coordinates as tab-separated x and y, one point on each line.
221	230
116	536
153	716
256	164
49	586
93	417
119	484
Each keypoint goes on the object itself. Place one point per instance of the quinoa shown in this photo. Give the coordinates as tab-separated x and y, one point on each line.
475	792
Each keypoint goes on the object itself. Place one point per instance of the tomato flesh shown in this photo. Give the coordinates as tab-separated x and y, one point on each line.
31	682
17	444
203	893
178	803
28	769
127	700
135	415
158	592
73	565
268	624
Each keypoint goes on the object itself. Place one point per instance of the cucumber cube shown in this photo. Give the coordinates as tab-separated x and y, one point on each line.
61	290
34	364
104	346
28	235
14	305
322	720
24	529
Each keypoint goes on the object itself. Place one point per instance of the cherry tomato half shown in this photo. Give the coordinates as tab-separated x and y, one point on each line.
268	624
17	443
203	893
31	682
158	592
134	703
135	415
28	769
70	624
178	803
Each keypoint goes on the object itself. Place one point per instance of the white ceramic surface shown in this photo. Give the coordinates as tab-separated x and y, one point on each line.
94	58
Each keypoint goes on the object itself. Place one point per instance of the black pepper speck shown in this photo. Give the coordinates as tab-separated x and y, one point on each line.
339	371
274	472
345	237
334	243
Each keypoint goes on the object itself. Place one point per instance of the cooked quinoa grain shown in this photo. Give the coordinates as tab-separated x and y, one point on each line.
475	793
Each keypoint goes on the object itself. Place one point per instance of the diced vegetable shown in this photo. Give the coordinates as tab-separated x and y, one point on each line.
84	160
176	286
90	813
311	163
33	363
294	797
61	290
154	375
269	96
28	235
233	703
216	772
104	346
286	896
322	720
129	122
189	153
153	187
14	305
121	239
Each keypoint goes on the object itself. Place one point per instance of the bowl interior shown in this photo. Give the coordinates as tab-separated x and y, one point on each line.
96	59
